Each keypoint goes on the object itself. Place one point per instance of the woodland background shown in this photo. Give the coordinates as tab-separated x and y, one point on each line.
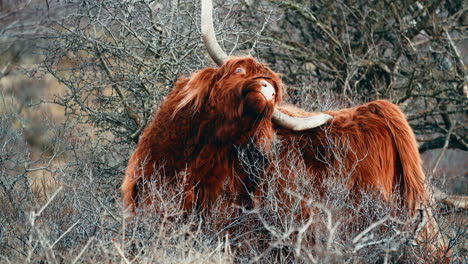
79	80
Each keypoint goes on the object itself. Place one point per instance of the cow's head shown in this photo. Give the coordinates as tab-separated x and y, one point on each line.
231	102
251	89
246	88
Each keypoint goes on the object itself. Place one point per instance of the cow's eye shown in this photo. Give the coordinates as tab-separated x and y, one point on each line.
240	70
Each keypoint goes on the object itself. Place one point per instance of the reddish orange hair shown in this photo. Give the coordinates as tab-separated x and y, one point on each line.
383	153
196	131
207	118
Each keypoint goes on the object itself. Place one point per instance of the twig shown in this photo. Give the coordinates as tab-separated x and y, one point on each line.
83	250
131	113
119	250
421	224
64	233
367	230
444	148
4	72
455	49
34	214
371	243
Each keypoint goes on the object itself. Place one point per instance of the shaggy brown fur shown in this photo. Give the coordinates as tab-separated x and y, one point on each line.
196	130
205	119
195	138
382	150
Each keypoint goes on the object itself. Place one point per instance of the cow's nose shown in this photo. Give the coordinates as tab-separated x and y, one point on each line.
267	90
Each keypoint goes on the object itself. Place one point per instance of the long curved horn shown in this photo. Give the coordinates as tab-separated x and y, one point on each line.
208	34
299	123
220	57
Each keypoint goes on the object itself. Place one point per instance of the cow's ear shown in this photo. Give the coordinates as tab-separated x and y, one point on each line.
194	92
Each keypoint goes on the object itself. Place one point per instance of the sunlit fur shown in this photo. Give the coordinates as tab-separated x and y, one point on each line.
196	134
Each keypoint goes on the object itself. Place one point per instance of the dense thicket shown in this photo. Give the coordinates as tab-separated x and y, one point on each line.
114	61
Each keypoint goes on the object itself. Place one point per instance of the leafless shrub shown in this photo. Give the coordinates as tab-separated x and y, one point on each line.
25	178
308	222
117	60
407	52
82	221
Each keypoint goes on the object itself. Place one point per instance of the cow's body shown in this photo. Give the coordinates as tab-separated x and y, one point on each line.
371	145
200	140
196	138
210	125
195	134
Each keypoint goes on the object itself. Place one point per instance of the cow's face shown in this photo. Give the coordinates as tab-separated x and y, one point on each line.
231	103
244	91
